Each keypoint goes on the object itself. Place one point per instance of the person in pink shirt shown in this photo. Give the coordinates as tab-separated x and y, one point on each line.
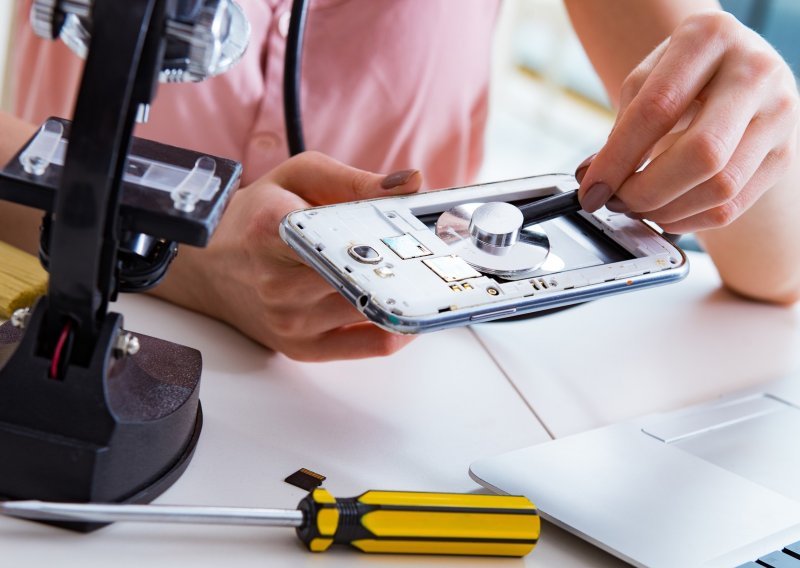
401	86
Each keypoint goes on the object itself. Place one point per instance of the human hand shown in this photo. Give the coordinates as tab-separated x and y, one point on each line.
250	279
718	108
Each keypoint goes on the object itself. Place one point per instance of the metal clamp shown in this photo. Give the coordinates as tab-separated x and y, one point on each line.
187	194
36	158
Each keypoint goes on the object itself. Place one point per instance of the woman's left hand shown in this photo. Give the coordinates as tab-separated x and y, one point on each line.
718	108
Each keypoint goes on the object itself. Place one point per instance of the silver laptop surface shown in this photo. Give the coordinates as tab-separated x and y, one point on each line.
711	485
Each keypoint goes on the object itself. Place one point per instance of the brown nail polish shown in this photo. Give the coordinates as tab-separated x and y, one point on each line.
396	179
596	196
616	205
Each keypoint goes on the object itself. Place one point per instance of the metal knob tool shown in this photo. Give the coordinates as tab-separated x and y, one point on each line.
500	238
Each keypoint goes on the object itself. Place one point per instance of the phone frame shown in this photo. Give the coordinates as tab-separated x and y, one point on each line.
321	236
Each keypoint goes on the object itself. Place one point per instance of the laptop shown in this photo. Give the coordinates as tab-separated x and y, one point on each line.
712	485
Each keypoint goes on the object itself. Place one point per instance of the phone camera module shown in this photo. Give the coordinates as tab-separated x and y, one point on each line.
365	254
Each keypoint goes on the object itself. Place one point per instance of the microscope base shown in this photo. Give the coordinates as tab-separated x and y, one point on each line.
122	430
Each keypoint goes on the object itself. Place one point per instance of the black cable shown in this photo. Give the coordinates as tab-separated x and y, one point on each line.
291	77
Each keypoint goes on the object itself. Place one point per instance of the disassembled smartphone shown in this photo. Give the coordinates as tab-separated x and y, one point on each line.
439	259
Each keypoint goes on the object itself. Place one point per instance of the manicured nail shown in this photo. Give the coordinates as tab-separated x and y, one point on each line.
596	196
396	179
616	205
580	171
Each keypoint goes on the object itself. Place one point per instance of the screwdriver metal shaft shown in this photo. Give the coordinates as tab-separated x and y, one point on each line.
101	513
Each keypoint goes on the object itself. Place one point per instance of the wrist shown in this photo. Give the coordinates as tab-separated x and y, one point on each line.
185	285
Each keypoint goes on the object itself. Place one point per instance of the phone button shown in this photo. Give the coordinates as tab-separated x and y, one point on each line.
365	254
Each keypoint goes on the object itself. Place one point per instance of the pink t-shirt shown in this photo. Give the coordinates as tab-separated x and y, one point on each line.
387	85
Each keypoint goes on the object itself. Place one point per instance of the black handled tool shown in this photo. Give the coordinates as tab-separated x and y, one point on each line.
550	207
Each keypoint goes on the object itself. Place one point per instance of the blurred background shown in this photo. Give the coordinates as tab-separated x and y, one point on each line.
6	14
548	109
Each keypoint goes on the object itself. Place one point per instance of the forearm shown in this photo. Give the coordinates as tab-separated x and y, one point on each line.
685	189
758	255
18	224
618	34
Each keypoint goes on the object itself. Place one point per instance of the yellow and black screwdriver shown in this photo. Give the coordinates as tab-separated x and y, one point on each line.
376	521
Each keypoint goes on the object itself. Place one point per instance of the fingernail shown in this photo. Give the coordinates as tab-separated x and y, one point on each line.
596	196
580	171
396	179
616	205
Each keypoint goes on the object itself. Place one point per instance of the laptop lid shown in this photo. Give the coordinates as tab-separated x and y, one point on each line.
713	484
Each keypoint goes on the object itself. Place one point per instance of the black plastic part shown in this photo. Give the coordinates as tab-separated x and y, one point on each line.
135	273
142	209
308	531
123	439
108	427
138	274
150	492
83	242
349	527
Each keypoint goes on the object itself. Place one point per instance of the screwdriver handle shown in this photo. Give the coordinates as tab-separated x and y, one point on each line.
420	523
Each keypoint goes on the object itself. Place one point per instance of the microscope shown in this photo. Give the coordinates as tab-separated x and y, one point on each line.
90	411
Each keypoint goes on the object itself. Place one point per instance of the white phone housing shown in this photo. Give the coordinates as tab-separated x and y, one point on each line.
415	284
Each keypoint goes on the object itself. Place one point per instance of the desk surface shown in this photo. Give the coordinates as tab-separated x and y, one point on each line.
417	419
650	351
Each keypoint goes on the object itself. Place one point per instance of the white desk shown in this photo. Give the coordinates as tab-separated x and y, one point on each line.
649	351
412	421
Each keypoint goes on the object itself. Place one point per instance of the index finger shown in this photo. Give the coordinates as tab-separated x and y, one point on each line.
678	78
322	180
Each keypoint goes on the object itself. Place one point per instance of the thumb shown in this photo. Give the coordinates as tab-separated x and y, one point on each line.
321	180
